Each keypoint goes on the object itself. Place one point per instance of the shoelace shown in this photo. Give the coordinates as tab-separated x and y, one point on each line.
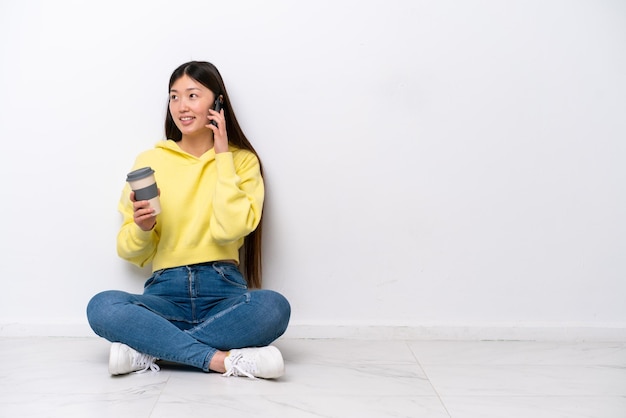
240	366
145	361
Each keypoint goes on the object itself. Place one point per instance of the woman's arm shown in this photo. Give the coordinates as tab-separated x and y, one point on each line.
135	244
238	198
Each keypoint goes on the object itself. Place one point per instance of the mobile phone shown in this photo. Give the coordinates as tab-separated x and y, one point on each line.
217	106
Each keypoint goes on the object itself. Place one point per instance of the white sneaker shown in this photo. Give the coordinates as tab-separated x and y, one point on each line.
265	362
123	360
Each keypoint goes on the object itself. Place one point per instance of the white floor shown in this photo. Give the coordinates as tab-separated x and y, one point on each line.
67	377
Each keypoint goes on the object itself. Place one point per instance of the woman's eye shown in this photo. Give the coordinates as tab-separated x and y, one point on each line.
173	97
193	95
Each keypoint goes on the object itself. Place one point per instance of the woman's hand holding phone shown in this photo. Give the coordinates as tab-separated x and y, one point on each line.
218	125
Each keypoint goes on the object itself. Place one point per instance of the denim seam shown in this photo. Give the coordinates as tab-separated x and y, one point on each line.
208	321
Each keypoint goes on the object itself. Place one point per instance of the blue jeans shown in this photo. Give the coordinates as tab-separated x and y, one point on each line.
188	313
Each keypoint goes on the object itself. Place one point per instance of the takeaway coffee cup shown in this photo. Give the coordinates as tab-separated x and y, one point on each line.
143	183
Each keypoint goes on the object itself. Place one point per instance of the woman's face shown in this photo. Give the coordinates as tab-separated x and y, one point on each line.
190	102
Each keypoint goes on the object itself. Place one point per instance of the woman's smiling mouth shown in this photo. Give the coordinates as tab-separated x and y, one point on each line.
186	120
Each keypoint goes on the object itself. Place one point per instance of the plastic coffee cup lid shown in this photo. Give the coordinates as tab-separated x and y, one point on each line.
139	174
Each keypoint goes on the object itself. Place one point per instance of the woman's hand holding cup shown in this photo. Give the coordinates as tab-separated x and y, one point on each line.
145	197
143	214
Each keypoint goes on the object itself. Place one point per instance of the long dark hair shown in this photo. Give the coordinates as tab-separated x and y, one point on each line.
207	74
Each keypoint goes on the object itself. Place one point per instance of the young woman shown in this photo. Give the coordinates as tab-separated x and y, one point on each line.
197	308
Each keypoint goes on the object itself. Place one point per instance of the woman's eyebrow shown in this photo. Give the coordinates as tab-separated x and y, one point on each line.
190	88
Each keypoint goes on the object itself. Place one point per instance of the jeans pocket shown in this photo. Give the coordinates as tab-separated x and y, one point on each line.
154	278
230	274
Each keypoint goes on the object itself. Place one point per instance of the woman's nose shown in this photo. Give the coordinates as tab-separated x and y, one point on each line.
182	105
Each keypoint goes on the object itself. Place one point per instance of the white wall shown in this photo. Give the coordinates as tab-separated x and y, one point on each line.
448	164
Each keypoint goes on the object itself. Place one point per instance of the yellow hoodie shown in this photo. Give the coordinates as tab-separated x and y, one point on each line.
208	205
